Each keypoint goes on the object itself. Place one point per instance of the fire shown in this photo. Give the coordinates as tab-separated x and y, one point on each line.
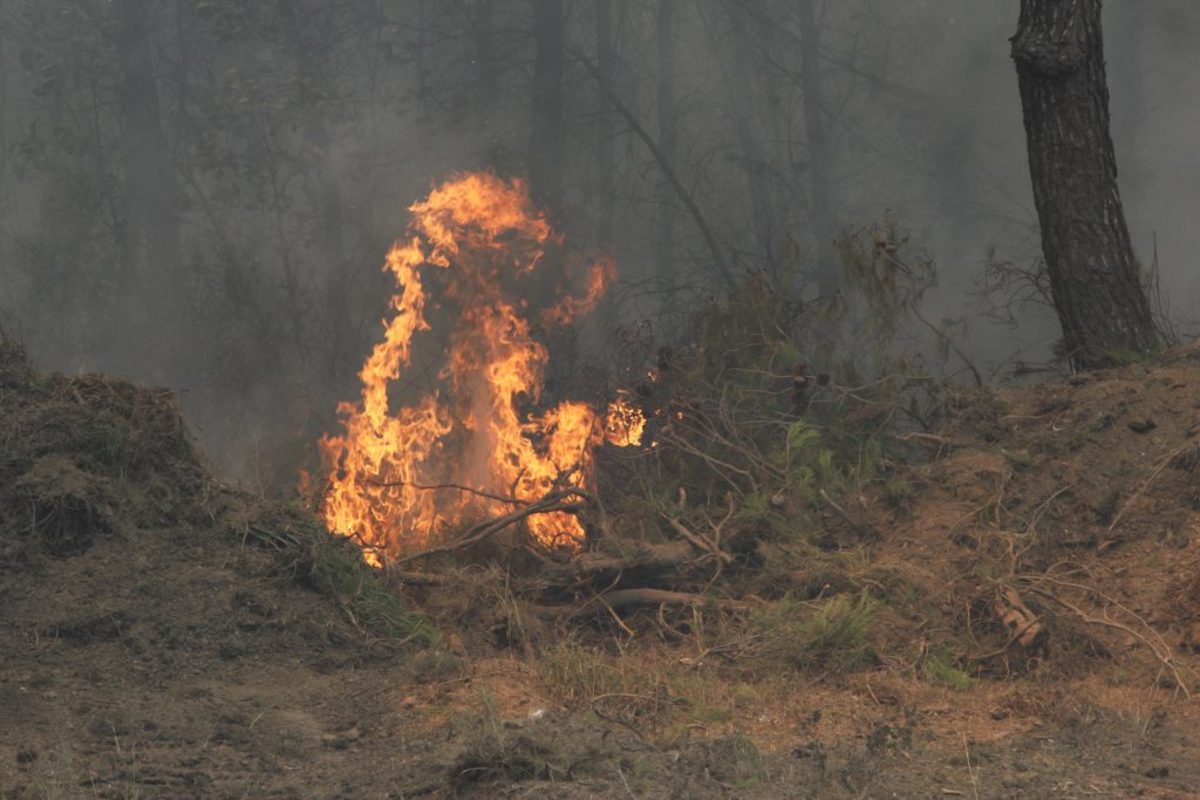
477	444
624	423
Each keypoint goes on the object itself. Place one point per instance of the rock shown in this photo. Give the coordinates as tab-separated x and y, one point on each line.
1143	425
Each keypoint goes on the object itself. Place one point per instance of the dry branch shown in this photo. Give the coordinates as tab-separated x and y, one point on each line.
561	501
619	599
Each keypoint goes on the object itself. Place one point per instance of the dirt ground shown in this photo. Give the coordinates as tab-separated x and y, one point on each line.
153	654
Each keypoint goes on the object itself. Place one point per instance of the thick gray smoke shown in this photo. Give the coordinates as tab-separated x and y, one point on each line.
201	194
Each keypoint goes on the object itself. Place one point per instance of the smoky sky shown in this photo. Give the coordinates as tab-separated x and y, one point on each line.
269	151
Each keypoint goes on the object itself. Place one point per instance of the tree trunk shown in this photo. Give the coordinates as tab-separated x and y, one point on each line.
546	145
1094	277
150	192
820	196
668	137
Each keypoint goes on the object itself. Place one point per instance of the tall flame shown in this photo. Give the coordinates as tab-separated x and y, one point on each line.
400	478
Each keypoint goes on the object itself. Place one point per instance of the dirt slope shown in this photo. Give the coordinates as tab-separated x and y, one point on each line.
151	647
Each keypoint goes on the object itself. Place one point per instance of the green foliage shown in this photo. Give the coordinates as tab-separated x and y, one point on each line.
735	761
833	634
898	493
496	753
338	570
938	669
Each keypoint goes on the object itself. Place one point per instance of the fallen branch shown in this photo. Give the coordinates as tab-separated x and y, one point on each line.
626	598
862	530
1158	468
638	598
510	500
699	542
1153	642
651	559
550	504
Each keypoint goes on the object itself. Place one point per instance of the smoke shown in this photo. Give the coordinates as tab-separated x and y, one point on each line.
298	133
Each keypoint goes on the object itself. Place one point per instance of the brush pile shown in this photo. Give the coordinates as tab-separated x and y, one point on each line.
83	456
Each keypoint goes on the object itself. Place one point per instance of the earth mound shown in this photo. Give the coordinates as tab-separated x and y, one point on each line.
1023	603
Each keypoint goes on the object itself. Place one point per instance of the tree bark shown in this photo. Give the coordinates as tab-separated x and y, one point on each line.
820	196
1094	277
546	145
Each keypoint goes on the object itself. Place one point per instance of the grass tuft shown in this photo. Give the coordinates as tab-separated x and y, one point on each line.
832	634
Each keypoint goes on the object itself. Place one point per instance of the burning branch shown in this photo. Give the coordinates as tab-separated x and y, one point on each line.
554	503
386	467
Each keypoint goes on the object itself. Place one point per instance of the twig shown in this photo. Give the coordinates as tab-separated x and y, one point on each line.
1160	649
970	769
697	541
612	612
859	528
456	486
664	164
550	504
1158	468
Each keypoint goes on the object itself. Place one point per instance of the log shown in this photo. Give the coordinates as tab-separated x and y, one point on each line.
647	560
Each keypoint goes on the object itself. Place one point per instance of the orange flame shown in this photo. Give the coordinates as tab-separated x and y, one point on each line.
400	478
624	423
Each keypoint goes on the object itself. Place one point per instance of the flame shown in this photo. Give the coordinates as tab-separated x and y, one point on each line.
624	423
477	444
600	277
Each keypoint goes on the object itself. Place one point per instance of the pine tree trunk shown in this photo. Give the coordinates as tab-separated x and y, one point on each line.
1094	277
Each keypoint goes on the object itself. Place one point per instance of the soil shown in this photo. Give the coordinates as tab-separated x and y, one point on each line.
148	649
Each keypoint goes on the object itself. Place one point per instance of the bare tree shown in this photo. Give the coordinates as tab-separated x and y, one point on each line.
1094	277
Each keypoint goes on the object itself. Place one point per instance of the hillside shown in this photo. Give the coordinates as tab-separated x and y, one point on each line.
162	635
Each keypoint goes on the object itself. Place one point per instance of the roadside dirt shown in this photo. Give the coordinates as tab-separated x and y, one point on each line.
148	650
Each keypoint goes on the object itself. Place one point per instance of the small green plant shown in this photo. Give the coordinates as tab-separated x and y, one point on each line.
834	634
340	571
898	494
496	753
1019	459
735	760
939	670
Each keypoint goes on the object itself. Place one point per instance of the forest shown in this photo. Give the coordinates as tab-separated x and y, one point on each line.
604	398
